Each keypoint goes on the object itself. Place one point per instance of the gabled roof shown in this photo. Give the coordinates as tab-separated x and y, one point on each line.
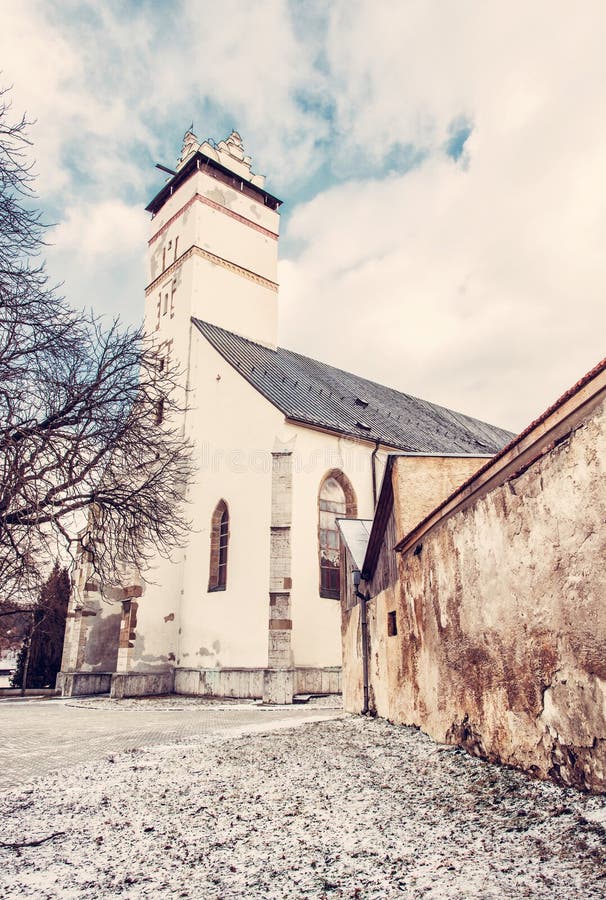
318	395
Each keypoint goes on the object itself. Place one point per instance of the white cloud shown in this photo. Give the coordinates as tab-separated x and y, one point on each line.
482	287
107	229
99	249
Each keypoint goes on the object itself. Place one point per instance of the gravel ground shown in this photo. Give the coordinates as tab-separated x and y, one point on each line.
347	808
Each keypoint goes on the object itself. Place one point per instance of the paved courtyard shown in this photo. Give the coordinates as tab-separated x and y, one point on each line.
42	736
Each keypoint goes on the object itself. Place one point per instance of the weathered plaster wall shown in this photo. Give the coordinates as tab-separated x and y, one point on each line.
501	620
421	482
352	678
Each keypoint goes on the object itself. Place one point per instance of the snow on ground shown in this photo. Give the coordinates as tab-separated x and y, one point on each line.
180	701
346	808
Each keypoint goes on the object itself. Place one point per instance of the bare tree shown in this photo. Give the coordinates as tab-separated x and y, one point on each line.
90	422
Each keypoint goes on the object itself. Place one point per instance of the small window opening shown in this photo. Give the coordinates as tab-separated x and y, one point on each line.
392	624
160	411
219	542
165	309
163	258
176	242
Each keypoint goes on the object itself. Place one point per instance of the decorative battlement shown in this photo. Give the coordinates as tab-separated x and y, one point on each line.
229	153
225	161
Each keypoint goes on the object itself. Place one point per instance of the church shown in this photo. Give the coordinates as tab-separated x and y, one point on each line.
284	446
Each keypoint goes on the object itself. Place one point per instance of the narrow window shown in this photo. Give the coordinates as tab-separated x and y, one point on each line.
172	299
159	411
165	310
176	243
159	310
392	624
336	500
219	542
163	258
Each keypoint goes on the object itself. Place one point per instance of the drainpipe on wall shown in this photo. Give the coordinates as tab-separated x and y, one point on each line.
364	623
373	456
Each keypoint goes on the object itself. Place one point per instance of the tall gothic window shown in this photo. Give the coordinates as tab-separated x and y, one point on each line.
336	500
219	540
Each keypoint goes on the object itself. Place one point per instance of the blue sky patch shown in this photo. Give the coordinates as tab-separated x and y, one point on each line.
459	131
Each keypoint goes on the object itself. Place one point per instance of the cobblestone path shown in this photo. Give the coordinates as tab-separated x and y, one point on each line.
39	737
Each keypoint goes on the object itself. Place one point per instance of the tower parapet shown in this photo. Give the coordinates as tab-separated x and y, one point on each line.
228	153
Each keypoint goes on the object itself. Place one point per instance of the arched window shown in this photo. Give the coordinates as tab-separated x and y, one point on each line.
336	499
219	540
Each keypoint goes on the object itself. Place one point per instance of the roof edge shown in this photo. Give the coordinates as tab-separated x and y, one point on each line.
192	164
369	438
383	511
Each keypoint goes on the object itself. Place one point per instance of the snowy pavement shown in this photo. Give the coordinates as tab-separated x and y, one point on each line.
40	736
341	808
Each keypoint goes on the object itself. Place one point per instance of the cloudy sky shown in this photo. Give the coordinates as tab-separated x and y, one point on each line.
442	166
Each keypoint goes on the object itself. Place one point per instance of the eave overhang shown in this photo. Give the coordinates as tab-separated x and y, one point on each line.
200	162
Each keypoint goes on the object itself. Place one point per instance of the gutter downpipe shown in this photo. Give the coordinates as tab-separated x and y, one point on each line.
365	709
364	623
373	456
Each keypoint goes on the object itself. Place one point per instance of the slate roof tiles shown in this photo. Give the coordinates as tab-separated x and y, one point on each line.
314	393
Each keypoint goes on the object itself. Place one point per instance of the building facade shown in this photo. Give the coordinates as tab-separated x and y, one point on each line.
284	445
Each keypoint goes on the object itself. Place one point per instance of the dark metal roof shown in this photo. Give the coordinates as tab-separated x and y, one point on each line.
321	396
201	161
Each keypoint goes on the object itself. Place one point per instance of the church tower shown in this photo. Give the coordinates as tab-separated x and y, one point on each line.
213	248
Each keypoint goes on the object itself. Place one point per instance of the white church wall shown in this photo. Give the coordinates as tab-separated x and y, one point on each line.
233	301
157	616
213	255
316	635
224	228
234	428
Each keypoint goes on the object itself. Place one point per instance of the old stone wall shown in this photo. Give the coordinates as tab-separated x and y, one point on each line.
500	620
